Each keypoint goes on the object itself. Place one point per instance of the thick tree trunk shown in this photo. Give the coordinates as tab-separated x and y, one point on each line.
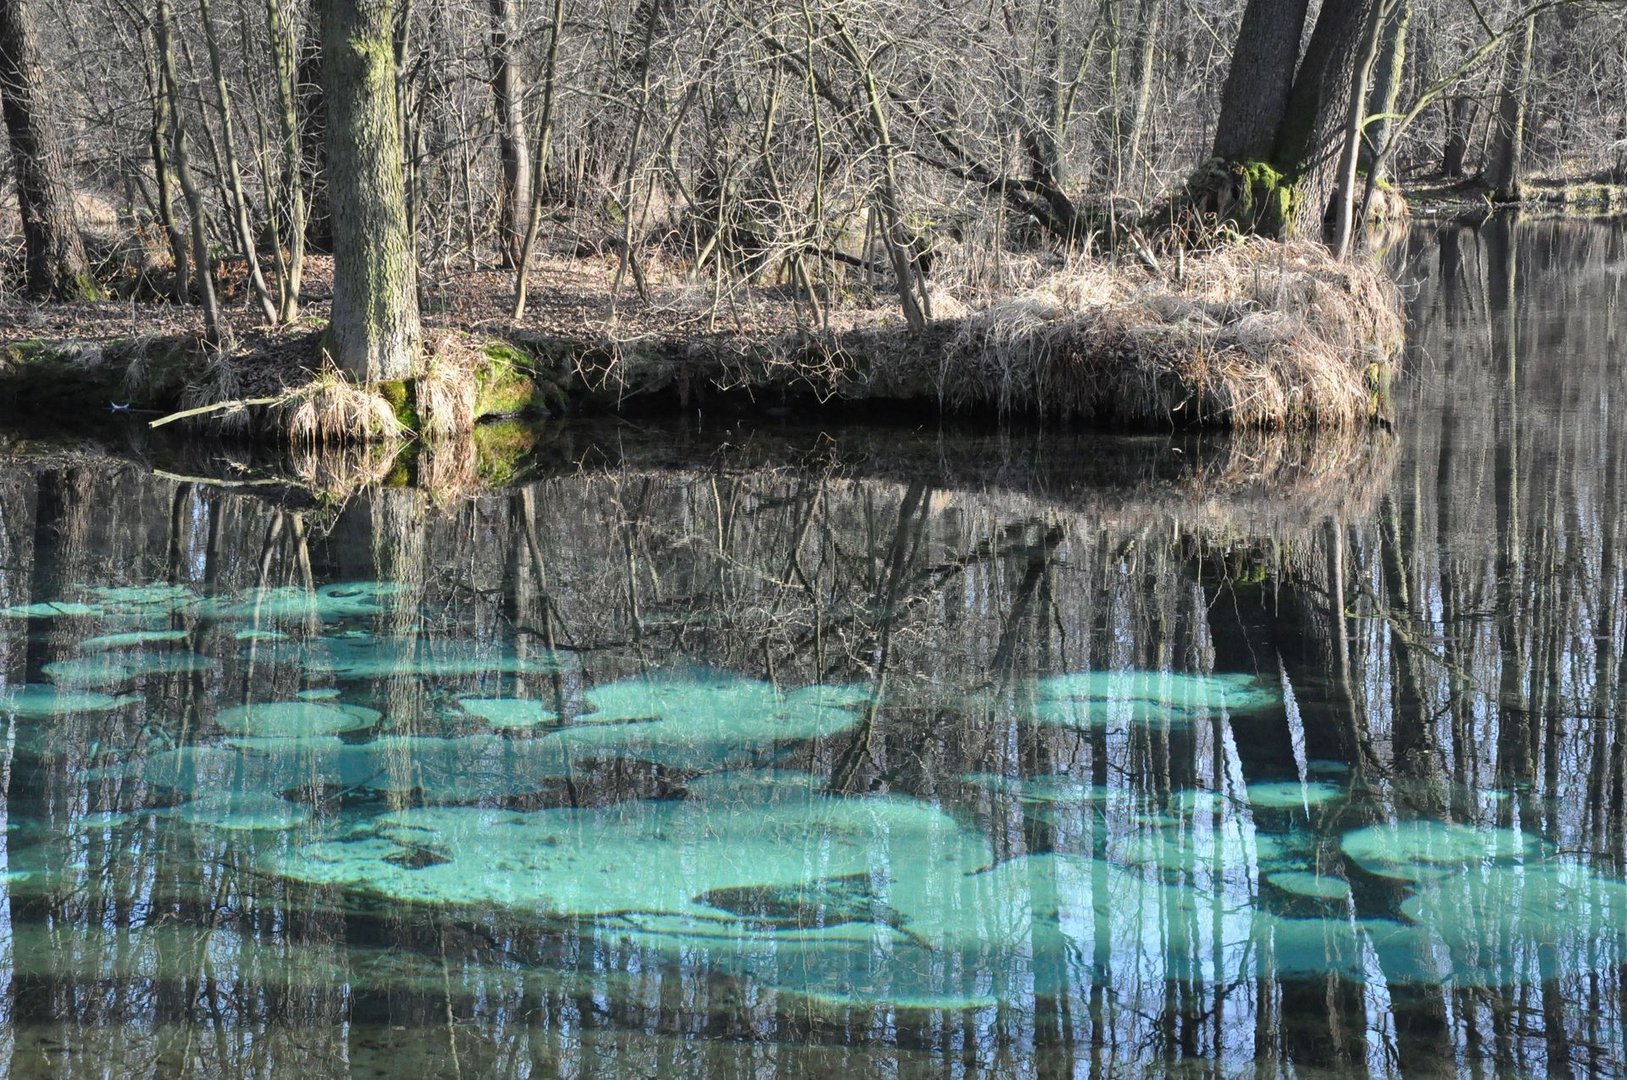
1312	137
375	331
1459	119
508	92
1503	163
1261	76
55	252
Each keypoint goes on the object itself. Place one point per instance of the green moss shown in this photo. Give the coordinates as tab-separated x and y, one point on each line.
1265	201
509	396
83	287
507	383
501	448
398	392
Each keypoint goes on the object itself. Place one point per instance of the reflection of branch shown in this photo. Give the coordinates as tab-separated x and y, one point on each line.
1406	628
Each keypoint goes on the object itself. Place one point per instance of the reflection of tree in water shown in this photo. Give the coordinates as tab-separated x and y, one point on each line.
1440	646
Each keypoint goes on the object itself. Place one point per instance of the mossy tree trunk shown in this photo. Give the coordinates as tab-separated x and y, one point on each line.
1312	138
1291	124
375	331
55	252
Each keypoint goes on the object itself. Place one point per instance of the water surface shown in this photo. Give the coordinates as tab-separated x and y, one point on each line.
738	751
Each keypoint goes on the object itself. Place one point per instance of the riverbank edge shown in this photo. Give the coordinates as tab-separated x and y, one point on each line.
1472	201
1259	335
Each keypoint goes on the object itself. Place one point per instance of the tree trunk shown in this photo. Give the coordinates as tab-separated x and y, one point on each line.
238	197
293	178
1048	137
1386	92
1311	139
312	105
1503	164
55	252
1261	76
508	92
374	334
1459	119
1355	116
541	160
1152	13
214	329
161	137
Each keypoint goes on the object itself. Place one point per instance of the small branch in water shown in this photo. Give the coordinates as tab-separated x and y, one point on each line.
216	407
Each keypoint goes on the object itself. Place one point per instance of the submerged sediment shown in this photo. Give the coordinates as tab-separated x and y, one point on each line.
1254	335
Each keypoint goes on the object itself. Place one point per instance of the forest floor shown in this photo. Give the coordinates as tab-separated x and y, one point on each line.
1256	334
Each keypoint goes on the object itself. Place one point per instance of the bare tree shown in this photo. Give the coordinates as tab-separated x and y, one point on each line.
57	267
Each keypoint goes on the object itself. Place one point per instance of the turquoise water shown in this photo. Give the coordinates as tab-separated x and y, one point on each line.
709	751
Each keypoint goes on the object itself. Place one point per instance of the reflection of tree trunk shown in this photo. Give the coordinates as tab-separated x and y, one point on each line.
1412	733
914	509
62	521
1514	716
388	524
1039	568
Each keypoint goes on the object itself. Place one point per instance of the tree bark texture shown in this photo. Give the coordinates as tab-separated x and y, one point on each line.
375	330
55	252
1311	138
1386	92
508	94
1503	164
1261	76
1459	119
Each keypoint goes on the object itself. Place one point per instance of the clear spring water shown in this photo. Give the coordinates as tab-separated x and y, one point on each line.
746	752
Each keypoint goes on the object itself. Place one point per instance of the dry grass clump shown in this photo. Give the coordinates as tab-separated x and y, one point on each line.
332	473
1257	334
448	470
446	391
330	409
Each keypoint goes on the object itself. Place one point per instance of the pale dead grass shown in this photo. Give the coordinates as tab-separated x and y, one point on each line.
1256	334
330	409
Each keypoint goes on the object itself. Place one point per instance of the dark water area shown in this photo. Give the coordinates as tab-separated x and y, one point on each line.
749	751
